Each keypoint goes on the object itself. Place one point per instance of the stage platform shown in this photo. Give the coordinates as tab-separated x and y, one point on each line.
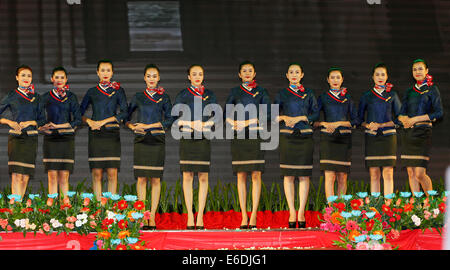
260	239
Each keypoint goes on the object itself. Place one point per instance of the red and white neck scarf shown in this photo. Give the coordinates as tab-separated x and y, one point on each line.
297	88
27	90
159	90
250	85
428	81
380	88
61	92
339	92
198	90
105	85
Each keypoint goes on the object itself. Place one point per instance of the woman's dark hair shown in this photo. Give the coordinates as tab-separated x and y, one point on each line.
103	61
56	69
150	66
194	65
420	61
295	64
246	63
380	65
22	67
331	69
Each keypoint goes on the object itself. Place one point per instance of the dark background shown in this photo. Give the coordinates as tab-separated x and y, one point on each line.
351	34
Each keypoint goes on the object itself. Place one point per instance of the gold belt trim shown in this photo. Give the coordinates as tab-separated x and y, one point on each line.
66	130
158	131
112	125
301	167
58	160
153	168
345	163
380	157
414	157
286	131
194	162
245	162
104	158
21	164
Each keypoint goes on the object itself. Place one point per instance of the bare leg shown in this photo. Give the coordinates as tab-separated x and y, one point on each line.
112	180
330	178
256	194
342	183
188	179
388	178
303	190
141	188
289	191
413	183
242	192
375	176
52	181
423	179
97	175
156	191
63	181
202	194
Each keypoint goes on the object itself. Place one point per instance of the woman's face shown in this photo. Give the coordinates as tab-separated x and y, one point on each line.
247	73
105	72
59	79
419	71
24	78
294	74
380	76
196	76
151	77
335	79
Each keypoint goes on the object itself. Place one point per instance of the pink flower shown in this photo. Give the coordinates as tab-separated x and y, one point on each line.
427	214
9	228
147	215
327	217
386	246
28	203
46	227
93	224
349	247
70	225
99	244
329	210
352	225
376	246
71	219
362	246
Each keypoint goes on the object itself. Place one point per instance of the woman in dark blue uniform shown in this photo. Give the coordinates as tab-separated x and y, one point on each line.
340	116
27	116
378	111
195	153
63	117
104	127
153	119
298	111
247	156
421	107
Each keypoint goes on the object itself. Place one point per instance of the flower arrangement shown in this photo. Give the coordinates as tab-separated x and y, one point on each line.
116	220
370	221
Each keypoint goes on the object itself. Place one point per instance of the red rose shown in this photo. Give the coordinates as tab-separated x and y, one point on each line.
398	217
122	205
355	204
122	224
408	207
392	220
121	247
339	206
139	205
385	208
27	210
442	207
369	225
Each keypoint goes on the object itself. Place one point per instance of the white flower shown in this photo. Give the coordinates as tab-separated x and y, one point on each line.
82	217
416	220
436	211
17	222
33	226
78	223
111	215
24	223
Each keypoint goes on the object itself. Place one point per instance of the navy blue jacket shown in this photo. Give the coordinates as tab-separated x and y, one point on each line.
341	108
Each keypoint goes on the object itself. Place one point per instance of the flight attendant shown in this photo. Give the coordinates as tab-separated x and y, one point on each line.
340	117
195	153
104	127
378	111
27	116
154	118
63	117
421	107
298	111
247	156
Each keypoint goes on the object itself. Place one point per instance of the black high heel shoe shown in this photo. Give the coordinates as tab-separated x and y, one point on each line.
302	224
292	225
190	228
200	227
252	227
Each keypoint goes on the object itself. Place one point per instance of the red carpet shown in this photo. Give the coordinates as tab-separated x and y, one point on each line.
215	239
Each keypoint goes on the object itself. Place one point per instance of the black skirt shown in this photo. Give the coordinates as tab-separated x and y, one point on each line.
59	152
246	155
195	155
380	151
415	146
149	155
296	154
335	152
104	149
22	154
